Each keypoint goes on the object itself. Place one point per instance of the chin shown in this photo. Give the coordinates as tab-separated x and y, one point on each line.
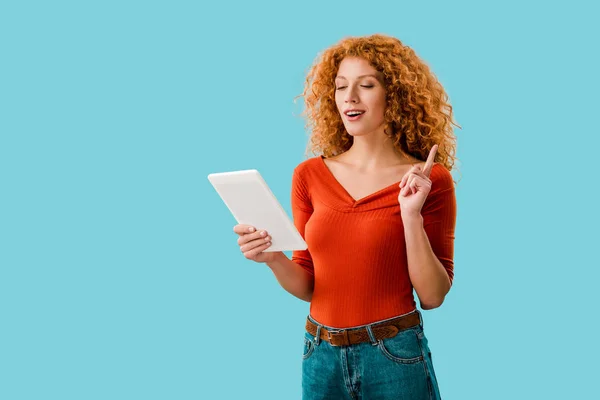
363	130
358	132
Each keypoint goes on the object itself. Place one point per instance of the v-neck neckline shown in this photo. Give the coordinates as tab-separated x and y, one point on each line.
345	191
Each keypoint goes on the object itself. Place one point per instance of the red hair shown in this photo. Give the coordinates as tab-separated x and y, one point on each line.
417	115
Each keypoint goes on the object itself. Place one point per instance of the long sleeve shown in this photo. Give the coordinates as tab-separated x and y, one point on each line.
302	210
439	218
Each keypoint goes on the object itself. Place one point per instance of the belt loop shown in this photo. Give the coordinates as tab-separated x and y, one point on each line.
420	318
374	341
318	335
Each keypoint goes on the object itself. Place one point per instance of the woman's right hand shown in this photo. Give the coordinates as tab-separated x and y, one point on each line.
253	243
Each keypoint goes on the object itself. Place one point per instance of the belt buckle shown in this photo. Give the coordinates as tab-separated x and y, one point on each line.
333	331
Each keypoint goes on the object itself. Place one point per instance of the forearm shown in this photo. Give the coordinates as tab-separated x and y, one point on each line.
427	274
292	277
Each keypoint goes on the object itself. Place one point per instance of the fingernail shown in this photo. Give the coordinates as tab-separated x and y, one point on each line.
251	229
263	233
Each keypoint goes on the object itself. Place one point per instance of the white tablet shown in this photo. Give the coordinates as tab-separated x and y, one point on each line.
252	202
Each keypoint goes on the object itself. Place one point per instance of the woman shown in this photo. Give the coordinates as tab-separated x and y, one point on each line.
378	212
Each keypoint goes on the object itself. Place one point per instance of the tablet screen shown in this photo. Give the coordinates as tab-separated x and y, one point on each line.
251	202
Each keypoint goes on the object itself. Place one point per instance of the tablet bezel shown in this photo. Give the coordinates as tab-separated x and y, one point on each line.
266	213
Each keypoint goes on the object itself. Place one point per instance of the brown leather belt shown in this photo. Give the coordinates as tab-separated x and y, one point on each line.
382	330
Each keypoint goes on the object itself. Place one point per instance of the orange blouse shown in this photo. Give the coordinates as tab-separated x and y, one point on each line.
356	249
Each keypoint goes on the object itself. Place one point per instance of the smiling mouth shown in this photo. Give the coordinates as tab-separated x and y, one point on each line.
354	113
354	117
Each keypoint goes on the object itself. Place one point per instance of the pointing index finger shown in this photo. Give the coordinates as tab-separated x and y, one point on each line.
430	160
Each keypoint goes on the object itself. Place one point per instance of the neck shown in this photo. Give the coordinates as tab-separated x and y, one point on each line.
374	151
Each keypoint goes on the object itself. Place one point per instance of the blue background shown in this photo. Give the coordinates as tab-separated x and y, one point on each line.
120	274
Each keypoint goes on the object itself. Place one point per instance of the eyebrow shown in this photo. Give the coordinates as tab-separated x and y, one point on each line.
358	77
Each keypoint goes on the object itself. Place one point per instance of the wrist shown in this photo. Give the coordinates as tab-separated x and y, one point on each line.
412	218
276	259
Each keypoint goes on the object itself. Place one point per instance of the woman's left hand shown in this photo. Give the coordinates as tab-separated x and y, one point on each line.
415	186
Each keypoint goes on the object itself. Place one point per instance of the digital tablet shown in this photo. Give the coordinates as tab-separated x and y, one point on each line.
252	202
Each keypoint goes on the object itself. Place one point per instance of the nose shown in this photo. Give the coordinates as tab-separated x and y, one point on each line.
351	95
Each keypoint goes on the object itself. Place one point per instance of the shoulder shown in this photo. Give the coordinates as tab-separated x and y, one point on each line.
303	177
441	178
442	195
308	166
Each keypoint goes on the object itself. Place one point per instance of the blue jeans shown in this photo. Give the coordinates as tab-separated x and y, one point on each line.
399	367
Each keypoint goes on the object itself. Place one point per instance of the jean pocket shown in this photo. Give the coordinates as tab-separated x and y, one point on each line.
404	348
309	347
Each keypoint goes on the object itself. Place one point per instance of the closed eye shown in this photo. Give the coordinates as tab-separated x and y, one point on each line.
344	87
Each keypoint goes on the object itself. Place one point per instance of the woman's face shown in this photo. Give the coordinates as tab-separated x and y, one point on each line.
359	86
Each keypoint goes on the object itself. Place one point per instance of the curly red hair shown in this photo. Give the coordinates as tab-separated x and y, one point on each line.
417	113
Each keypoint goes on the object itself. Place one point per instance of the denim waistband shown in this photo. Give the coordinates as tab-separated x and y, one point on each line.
369	324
